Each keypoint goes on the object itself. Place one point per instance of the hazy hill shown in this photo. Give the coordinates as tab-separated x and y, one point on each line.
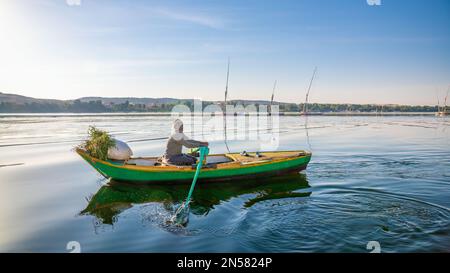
132	100
18	99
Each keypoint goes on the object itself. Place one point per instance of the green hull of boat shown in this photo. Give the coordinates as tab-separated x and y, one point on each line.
121	172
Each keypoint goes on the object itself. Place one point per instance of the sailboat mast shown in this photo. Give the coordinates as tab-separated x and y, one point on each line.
438	102
226	86
225	107
273	94
445	101
309	89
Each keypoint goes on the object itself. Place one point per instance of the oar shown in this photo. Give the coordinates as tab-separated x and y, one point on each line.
181	216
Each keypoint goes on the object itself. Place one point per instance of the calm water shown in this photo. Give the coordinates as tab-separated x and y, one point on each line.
384	179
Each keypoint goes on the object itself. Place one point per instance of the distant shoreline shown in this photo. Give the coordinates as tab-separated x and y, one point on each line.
143	114
16	104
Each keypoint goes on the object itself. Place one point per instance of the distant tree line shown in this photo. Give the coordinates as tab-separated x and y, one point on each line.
97	106
328	107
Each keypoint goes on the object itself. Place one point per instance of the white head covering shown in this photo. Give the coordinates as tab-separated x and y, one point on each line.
176	129
176	126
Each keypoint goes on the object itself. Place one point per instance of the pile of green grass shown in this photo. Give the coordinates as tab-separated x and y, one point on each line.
98	143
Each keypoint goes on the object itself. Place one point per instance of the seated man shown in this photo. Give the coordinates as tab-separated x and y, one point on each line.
173	154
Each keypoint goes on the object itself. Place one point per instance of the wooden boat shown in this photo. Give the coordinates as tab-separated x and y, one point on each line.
219	167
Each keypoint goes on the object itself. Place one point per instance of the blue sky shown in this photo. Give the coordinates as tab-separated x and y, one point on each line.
394	53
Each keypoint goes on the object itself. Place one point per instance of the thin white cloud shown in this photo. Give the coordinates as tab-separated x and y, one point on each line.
386	39
101	30
198	19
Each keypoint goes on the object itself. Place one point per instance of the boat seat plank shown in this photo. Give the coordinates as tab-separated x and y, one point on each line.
142	162
263	156
217	159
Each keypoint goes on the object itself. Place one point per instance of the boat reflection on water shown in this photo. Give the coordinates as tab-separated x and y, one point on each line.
116	197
